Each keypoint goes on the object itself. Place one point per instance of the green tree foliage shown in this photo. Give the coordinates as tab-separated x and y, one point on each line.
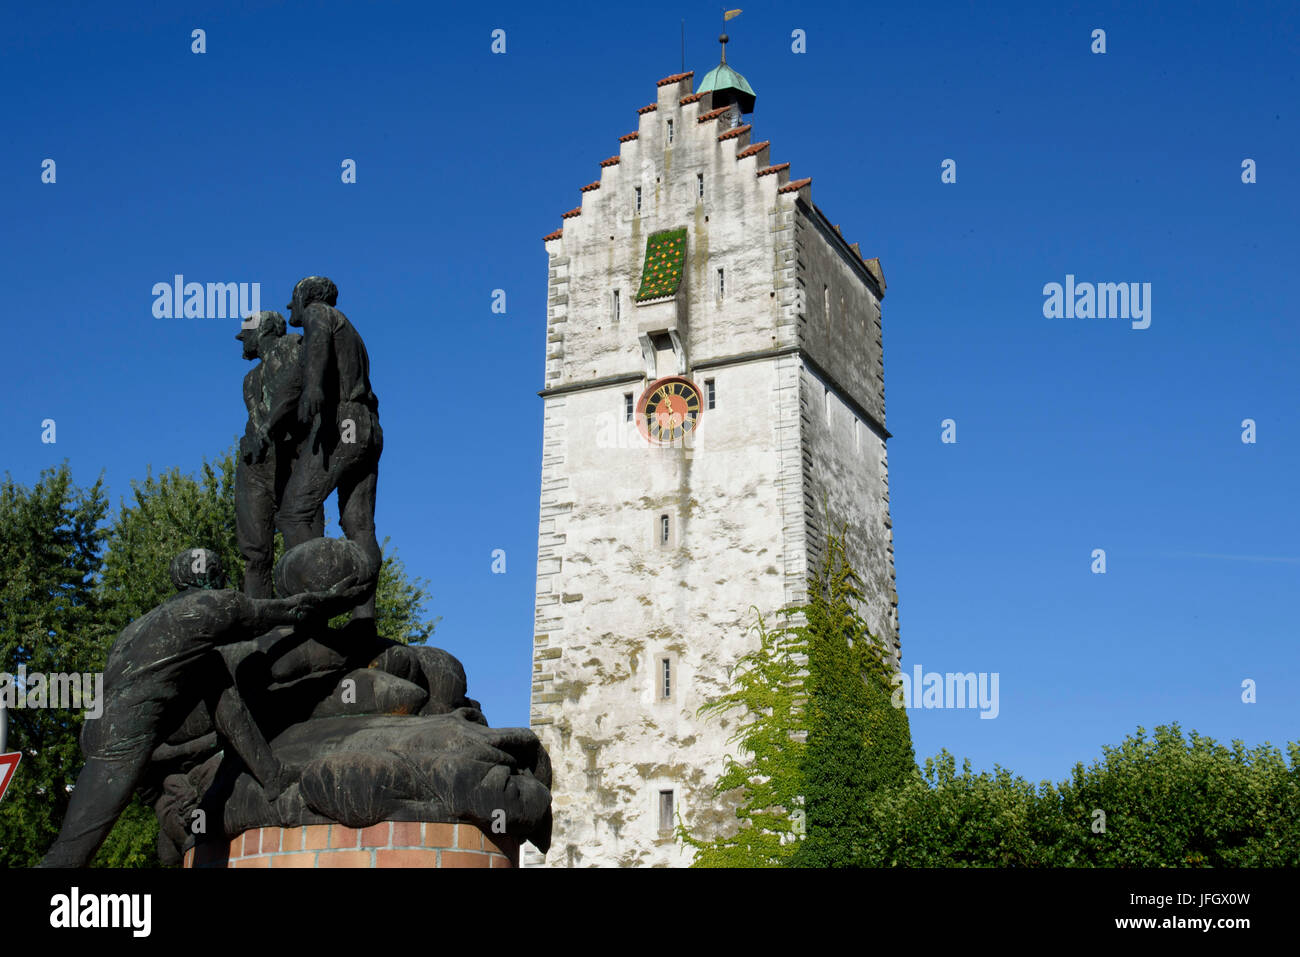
1172	801
940	818
768	691
167	513
1168	800
52	547
858	742
819	732
400	613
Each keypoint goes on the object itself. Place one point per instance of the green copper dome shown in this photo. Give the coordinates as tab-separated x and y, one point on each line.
728	86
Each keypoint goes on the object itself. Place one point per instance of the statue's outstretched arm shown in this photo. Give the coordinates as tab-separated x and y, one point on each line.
260	615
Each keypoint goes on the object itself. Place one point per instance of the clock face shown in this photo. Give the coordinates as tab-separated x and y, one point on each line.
668	410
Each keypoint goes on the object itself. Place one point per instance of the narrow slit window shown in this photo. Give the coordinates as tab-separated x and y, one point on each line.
722	283
637	204
627	406
665	678
665	810
710	394
699	185
670	131
663	529
617	305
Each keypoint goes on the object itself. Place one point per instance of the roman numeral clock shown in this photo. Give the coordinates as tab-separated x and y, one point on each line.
668	410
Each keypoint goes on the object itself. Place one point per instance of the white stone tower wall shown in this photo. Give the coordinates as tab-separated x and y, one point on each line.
613	601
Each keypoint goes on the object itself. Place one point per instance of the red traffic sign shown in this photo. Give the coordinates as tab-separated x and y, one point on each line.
8	762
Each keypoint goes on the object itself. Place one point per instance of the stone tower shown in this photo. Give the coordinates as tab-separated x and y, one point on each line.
714	380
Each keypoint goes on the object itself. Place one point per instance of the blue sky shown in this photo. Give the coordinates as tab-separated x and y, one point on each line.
1072	434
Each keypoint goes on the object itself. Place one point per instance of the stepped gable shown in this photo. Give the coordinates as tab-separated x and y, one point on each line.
677	101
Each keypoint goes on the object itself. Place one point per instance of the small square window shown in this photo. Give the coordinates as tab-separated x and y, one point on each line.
710	394
628	406
666	822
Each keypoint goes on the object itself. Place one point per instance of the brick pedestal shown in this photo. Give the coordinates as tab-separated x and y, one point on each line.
388	844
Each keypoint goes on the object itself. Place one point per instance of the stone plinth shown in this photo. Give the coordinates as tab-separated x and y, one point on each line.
387	844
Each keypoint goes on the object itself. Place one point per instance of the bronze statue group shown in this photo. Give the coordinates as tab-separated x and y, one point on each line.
171	688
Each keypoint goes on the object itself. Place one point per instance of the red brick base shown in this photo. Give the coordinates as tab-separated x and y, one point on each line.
388	844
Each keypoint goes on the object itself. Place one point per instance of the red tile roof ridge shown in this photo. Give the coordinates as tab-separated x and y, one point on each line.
675	78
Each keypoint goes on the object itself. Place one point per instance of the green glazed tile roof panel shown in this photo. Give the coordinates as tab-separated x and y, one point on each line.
665	260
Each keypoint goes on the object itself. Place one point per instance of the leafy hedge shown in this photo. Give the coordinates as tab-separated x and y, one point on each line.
1168	801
